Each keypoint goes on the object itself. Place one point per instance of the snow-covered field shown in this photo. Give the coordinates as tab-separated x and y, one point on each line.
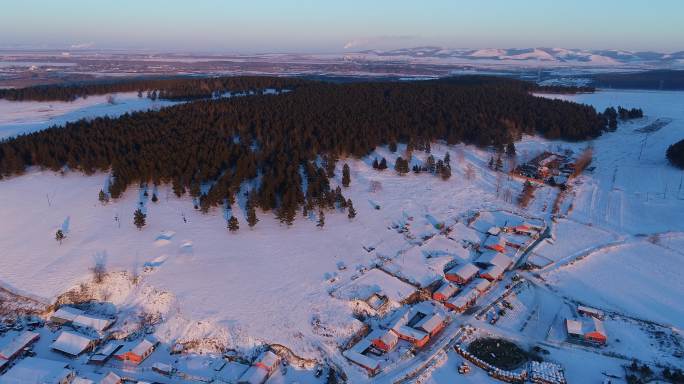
17	117
270	284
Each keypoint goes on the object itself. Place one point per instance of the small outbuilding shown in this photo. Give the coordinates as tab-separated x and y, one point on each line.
138	352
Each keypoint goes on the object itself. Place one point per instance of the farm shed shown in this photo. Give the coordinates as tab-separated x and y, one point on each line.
358	354
72	344
496	243
111	378
65	315
12	346
592	312
462	301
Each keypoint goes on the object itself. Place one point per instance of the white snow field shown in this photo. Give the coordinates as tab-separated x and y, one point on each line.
19	117
254	286
274	284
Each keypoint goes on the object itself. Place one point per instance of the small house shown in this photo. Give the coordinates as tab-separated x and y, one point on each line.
462	301
431	324
492	273
384	340
138	352
496	243
462	274
445	291
597	333
481	285
95	323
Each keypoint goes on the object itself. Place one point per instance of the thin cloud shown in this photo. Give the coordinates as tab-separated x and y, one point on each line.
82	45
378	41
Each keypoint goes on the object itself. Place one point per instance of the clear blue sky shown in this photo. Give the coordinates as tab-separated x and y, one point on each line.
327	25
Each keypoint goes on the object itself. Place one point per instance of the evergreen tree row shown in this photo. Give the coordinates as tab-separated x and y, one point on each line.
289	143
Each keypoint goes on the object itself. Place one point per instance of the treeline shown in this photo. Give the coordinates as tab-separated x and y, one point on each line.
564	89
173	88
675	154
612	115
287	145
664	79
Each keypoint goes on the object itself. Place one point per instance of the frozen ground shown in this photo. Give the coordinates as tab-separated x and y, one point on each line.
268	285
261	285
17	117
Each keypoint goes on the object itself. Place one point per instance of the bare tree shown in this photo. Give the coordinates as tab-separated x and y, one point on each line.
99	270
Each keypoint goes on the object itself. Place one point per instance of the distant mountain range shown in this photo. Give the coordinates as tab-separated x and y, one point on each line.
526	56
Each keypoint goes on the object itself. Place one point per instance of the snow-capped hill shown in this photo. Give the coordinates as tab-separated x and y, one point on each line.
526	56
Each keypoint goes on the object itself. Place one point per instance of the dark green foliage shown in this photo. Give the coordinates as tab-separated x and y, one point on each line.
223	143
102	197
675	154
139	218
252	219
401	166
233	224
510	149
154	197
351	212
321	219
59	236
346	178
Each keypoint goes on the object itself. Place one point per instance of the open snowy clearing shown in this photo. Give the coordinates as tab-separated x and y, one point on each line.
19	117
640	279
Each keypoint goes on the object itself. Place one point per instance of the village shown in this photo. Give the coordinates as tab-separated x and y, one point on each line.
468	288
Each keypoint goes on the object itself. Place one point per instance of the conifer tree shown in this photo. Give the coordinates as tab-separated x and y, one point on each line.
510	149
321	219
154	197
499	164
376	165
383	164
350	208
139	218
59	236
233	224
103	197
346	179
252	218
447	159
445	172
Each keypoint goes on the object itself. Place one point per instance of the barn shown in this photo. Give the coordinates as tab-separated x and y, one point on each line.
431	324
592	312
65	315
597	333
462	274
445	292
462	301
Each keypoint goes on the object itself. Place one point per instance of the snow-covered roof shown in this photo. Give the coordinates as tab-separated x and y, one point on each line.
89	321
573	327
430	323
36	370
495	241
590	311
463	298
389	338
406	331
376	281
356	353
481	285
494	231
494	271
81	380
142	347
67	313
447	289
15	344
490	257
71	343
110	378
465	271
